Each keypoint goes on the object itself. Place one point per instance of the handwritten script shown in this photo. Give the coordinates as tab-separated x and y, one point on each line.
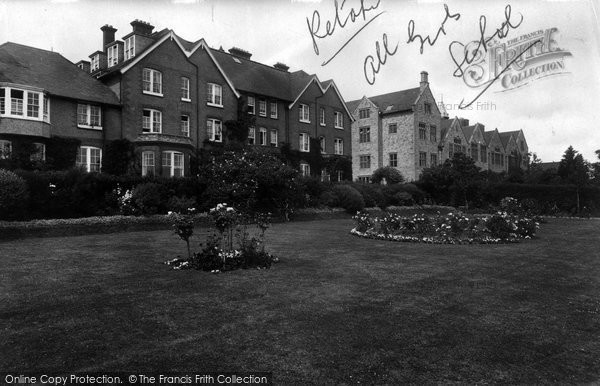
461	54
314	24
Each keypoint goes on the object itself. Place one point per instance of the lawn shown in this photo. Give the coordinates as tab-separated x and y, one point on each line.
337	309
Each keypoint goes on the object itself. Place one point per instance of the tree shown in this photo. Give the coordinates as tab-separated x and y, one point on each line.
391	175
573	169
457	180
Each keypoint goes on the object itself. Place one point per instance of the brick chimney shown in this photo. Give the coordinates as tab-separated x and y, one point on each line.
424	80
141	27
281	66
108	34
235	51
463	122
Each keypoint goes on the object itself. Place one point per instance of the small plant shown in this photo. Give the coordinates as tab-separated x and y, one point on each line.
183	225
225	219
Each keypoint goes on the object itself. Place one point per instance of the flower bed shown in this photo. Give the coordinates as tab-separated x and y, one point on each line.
237	243
453	228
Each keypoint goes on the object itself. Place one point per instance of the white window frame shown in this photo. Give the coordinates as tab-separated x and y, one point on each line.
88	124
129	48
251	105
113	55
185	125
304	143
95	63
262	107
274	114
305	169
304	113
185	89
274	137
42	106
87	165
5	149
168	160
338	120
338	145
262	136
252	135
214	98
154	121
322	120
150	82
214	130
148	163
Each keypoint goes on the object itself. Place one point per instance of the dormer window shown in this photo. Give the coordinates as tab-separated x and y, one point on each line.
113	55
95	65
129	47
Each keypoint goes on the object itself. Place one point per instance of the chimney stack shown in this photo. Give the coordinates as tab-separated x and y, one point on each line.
108	34
281	66
141	27
424	79
240	53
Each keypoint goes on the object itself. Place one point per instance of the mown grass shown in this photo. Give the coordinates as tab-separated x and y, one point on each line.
337	309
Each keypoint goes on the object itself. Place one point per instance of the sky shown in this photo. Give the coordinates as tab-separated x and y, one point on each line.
554	111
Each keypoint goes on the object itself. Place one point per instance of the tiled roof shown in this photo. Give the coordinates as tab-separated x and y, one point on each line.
549	165
468	131
393	102
352	105
51	72
255	77
505	137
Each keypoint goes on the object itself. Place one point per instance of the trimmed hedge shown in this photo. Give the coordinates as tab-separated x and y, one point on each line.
549	199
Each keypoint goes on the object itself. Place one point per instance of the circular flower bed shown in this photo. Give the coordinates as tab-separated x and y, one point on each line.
453	228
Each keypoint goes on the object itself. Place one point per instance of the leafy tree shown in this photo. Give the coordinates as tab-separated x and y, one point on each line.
573	169
457	179
391	175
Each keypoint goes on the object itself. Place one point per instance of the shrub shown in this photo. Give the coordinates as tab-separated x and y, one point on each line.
499	226
372	195
148	198
181	204
349	198
391	175
329	198
13	195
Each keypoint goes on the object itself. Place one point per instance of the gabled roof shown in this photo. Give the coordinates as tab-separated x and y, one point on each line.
51	72
394	102
254	77
487	135
116	68
505	137
468	131
300	81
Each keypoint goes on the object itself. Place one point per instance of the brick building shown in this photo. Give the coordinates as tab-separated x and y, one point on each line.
177	95
44	96
400	129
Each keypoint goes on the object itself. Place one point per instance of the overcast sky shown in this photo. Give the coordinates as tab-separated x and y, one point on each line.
554	112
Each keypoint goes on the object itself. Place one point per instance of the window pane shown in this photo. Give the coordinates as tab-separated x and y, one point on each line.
147	80
82	117
33	104
95	116
16	100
